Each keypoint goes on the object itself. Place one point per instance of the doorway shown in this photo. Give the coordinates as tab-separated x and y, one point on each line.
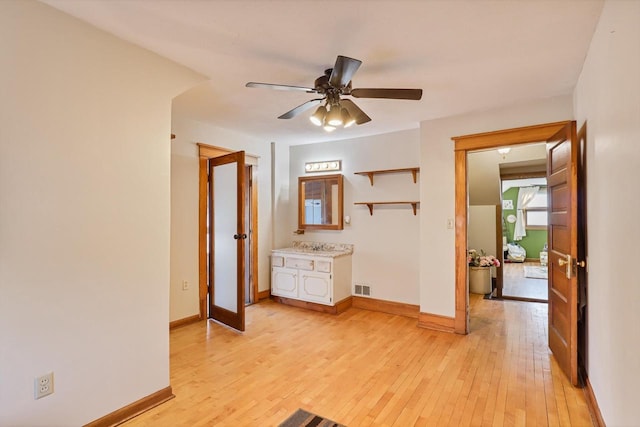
524	236
464	145
564	170
507	219
207	234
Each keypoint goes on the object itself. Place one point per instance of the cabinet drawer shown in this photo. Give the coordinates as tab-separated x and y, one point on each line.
277	261
323	266
299	263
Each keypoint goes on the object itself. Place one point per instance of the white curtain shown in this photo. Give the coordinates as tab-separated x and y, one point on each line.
525	196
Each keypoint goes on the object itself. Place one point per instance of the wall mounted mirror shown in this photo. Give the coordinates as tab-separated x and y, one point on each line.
320	204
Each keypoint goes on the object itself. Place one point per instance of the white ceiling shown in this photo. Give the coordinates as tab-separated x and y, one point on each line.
466	55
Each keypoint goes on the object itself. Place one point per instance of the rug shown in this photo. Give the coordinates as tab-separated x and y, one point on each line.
535	271
302	418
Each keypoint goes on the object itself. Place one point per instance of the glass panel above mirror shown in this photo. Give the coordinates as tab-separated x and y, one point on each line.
320	204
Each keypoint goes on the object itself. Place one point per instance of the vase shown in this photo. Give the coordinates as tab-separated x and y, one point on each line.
480	280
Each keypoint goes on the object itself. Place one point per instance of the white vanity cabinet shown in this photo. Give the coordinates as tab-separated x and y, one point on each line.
318	279
284	282
316	287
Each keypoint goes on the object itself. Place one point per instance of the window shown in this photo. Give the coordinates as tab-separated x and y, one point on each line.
535	216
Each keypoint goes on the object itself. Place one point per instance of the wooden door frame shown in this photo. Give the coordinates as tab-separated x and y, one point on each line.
205	153
462	145
499	248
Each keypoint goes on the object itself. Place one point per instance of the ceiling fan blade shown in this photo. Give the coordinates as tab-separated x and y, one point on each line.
300	108
281	87
414	94
355	111
343	71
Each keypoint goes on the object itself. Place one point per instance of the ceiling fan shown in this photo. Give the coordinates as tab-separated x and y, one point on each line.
336	82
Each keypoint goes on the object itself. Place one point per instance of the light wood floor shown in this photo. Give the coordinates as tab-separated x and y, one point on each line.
516	285
364	368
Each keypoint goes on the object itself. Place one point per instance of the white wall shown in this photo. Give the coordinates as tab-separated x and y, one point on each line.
483	175
184	205
281	221
437	188
386	253
481	234
184	230
84	218
484	167
607	97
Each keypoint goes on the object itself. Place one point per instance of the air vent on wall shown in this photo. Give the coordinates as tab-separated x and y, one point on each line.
364	290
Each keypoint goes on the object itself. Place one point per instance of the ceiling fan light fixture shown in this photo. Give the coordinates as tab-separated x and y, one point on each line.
347	119
334	117
329	87
317	118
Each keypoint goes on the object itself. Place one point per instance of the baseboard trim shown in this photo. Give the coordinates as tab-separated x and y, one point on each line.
390	307
338	308
592	403
186	321
134	409
264	294
436	322
344	305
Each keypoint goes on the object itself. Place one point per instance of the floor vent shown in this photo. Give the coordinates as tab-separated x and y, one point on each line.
363	290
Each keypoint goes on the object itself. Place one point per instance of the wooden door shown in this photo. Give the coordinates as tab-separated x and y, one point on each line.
582	250
227	239
562	173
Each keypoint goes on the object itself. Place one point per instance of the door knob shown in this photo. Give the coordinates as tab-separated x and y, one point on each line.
239	236
566	262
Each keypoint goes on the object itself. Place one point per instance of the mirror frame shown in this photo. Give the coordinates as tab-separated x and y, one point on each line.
340	224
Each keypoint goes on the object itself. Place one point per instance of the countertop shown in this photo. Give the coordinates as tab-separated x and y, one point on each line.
329	250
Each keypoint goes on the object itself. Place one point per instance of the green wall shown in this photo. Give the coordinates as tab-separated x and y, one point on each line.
534	241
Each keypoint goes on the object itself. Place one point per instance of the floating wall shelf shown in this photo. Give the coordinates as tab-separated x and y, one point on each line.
414	205
370	174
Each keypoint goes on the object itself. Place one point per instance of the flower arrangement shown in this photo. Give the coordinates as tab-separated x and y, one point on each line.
481	260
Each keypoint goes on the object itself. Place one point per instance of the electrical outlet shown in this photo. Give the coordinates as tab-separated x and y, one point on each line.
185	285
43	385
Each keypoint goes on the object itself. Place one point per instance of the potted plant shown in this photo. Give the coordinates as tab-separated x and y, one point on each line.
480	271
